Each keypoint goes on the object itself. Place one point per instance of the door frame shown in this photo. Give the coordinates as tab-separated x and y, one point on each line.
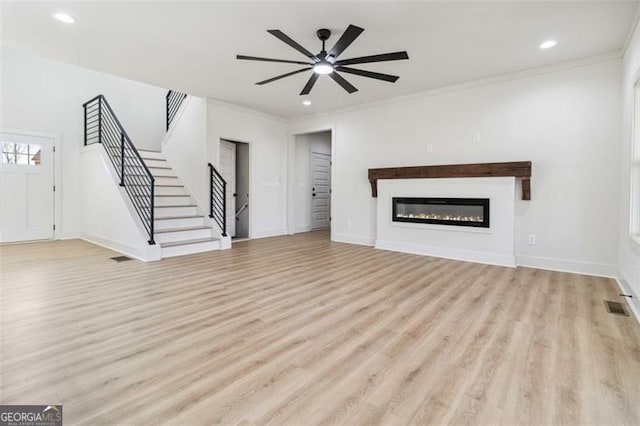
251	186
291	166
57	176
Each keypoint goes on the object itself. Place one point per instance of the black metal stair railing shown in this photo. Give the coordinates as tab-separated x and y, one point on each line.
102	126
218	199
174	100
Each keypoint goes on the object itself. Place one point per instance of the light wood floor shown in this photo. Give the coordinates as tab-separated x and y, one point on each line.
301	330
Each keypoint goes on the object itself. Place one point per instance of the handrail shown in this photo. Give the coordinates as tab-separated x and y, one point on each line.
101	125
173	101
218	199
242	209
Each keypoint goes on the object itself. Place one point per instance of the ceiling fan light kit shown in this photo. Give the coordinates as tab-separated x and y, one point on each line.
326	63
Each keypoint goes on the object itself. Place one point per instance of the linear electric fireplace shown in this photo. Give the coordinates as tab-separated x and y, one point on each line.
442	211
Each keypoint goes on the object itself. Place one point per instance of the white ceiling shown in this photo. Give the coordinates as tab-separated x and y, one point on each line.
191	46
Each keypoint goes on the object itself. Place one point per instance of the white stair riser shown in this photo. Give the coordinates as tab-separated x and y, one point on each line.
190	249
167	181
170	190
179	223
150	155
161	172
155	163
175	211
173	201
193	234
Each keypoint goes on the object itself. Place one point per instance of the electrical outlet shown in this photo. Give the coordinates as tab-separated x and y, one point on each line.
532	239
476	138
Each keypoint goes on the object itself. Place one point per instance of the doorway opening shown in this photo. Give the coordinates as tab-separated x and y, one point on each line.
312	180
235	169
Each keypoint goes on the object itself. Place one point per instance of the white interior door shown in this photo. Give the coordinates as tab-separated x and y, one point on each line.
320	190
26	188
228	172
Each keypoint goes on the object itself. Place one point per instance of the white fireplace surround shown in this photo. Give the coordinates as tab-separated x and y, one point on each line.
494	245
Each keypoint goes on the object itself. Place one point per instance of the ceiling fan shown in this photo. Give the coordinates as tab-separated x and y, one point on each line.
326	63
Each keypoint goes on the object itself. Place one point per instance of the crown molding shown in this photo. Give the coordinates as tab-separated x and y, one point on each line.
532	72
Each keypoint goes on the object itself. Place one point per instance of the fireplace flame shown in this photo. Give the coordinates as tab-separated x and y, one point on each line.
435	216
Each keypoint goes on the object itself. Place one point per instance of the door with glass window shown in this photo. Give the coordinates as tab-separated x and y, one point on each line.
26	188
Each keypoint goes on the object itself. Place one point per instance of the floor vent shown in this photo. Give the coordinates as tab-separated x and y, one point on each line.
615	308
121	258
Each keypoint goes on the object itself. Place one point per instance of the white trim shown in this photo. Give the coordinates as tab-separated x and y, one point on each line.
303	228
634	302
633	228
120	248
352	239
270	233
448	253
565	265
251	155
291	166
531	72
218	102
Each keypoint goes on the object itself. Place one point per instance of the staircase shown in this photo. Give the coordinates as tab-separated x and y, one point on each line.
179	227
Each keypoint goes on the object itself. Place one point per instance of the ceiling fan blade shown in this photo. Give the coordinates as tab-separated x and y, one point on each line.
288	40
345	40
307	87
370	74
284	61
342	82
260	83
395	56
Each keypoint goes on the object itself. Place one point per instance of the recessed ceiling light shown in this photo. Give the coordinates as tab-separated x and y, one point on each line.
306	103
547	44
63	17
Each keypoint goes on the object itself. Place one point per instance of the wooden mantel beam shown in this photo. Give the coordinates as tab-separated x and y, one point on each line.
519	169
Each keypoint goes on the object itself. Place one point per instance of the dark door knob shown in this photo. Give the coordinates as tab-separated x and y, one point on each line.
314	194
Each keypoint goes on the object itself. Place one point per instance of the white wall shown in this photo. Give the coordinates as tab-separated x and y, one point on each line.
304	145
629	250
39	94
267	138
566	122
107	216
185	148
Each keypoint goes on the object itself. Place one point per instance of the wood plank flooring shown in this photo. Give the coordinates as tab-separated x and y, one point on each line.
302	330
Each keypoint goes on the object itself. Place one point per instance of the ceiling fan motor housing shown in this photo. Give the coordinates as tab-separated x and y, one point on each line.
323	34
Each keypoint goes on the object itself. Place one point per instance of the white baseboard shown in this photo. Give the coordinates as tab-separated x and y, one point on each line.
563	265
303	228
633	301
352	239
152	254
448	253
269	233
